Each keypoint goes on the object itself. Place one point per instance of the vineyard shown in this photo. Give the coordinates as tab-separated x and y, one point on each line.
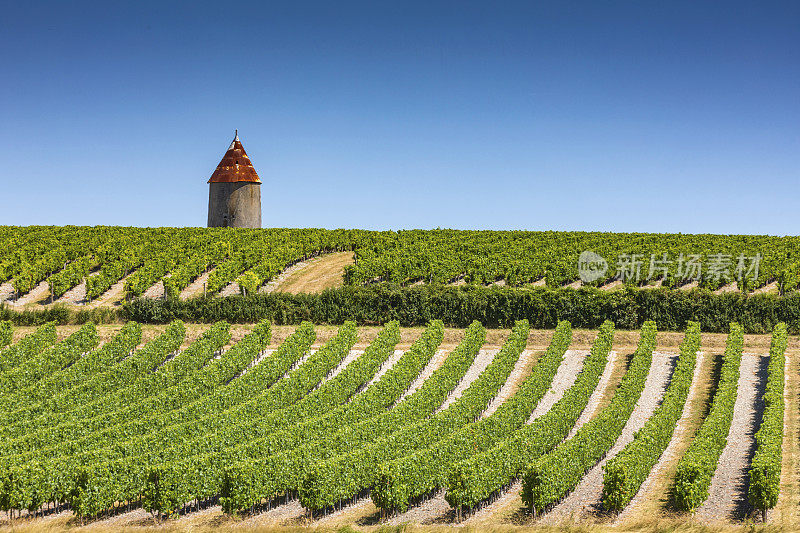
101	265
280	425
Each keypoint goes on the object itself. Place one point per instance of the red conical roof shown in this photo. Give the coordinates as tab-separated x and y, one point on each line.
235	165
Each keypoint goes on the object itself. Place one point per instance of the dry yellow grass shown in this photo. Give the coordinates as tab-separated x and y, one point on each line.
645	525
320	273
786	512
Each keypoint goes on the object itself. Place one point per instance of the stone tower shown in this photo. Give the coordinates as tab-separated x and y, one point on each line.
234	191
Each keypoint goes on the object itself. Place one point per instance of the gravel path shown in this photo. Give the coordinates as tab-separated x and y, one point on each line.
769	287
36	295
195	288
480	363
785	511
388	364
728	492
230	289
75	296
612	285
6	291
435	362
436	508
136	518
115	293
520	371
483	516
598	394
586	496
670	453
155	291
351	356
288	514
347	515
565	376
730	287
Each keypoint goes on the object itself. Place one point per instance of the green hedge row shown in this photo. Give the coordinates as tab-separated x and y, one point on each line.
698	464
553	476
626	472
765	470
494	307
60	314
455	306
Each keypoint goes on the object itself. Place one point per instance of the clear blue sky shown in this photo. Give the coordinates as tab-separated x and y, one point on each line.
596	115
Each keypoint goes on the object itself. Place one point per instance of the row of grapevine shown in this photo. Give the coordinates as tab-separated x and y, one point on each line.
181	276
261	467
27	471
765	468
83	369
551	477
482	257
195	476
474	480
50	360
27	348
61	416
284	472
49	255
6	333
72	274
101	446
43	481
416	474
135	456
48	459
90	493
698	464
626	472
251	257
171	387
165	255
342	477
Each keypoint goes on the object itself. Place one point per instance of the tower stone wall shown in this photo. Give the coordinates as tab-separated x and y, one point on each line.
236	205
